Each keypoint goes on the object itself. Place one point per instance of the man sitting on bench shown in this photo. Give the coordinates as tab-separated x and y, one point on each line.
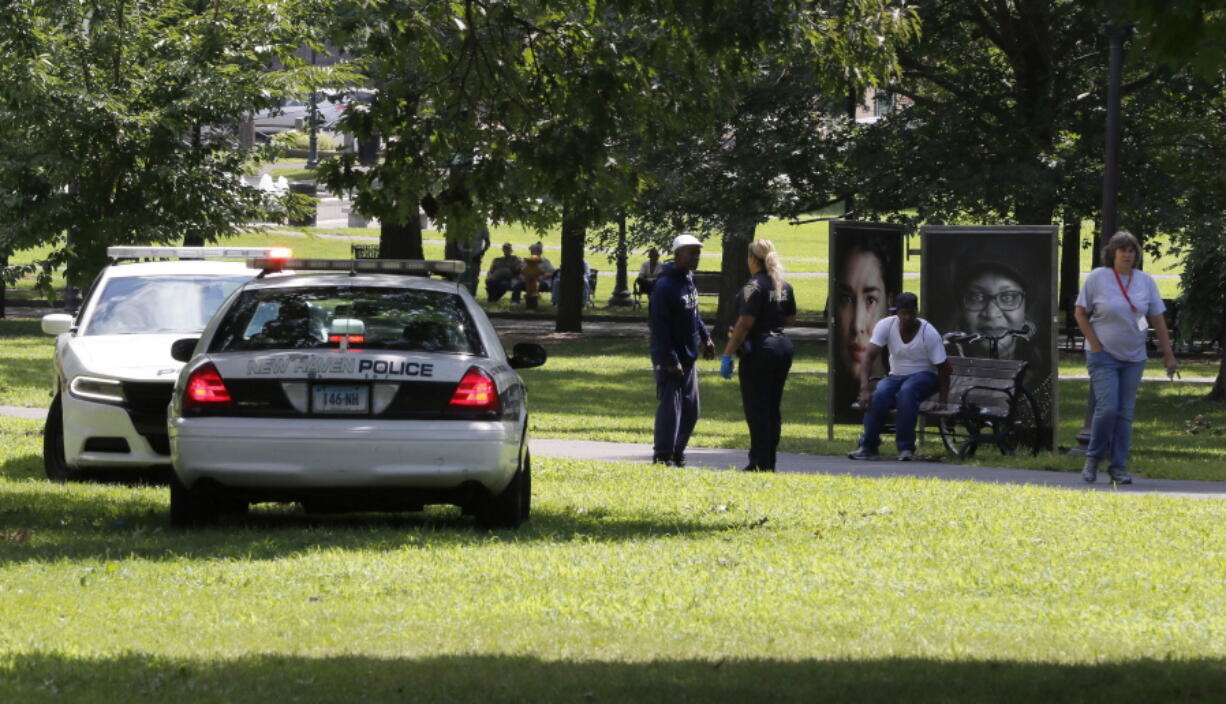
918	368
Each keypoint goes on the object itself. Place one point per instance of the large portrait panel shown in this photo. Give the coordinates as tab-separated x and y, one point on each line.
979	279
865	275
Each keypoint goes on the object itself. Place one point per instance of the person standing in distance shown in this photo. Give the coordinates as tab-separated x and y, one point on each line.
918	367
1114	311
676	333
764	307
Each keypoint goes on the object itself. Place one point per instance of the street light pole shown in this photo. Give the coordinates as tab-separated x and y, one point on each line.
312	123
1116	33
621	292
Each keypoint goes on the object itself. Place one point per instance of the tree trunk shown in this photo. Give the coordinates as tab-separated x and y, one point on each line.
1218	392
733	273
570	288
402	240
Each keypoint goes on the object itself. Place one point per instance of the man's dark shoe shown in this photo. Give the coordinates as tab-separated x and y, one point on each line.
678	461
661	459
1118	475
862	454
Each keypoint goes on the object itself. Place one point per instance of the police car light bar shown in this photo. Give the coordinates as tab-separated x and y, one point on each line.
198	252
419	267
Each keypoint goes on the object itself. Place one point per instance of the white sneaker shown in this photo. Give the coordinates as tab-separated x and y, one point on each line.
906	456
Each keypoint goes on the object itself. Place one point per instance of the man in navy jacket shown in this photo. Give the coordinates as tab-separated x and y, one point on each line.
676	329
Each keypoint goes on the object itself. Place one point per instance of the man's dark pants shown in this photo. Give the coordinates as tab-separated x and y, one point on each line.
497	288
677	413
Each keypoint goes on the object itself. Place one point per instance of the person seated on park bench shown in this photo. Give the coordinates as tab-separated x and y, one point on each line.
648	273
502	274
918	367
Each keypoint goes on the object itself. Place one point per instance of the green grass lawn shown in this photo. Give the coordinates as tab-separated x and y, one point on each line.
630	582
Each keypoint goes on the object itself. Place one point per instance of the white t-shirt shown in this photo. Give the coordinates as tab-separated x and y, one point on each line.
922	354
646	271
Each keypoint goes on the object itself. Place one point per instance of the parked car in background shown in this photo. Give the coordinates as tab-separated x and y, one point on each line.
113	369
293	113
365	390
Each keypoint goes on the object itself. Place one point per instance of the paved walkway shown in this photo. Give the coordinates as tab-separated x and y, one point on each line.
794	463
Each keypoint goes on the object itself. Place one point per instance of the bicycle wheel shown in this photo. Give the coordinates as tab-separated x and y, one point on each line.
956	433
1024	431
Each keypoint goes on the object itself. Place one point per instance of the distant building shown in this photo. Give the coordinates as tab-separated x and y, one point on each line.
877	103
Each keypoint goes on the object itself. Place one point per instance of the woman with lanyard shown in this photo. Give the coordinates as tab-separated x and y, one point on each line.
765	306
1115	308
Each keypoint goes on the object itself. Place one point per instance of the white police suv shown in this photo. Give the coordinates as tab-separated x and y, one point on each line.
373	388
113	369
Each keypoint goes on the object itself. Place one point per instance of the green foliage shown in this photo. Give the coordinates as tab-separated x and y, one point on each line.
120	120
1005	124
1186	33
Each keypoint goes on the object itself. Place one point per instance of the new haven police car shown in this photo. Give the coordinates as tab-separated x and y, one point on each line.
362	390
113	368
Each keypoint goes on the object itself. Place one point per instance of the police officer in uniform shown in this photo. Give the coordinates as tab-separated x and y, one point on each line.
765	306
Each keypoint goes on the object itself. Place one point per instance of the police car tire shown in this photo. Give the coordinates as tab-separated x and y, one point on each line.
54	462
525	495
192	507
510	508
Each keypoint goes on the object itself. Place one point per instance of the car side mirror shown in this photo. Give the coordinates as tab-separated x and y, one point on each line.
181	350
526	355
57	323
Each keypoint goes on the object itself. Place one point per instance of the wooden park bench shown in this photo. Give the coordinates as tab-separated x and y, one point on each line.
707	282
987	403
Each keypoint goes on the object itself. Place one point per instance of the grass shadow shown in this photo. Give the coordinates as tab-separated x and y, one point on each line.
11	327
48	677
48	522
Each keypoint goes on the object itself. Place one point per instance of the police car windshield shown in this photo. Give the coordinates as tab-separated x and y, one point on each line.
155	304
366	317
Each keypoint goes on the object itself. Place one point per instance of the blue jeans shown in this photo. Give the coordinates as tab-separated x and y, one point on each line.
1114	383
905	393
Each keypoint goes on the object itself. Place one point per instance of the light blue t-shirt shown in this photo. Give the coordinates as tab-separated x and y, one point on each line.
1121	330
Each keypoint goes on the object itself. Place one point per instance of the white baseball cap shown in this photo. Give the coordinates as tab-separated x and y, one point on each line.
685	239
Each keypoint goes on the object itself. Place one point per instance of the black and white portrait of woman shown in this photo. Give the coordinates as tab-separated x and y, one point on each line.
990	280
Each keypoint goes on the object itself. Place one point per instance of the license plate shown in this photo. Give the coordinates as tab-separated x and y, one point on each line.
333	398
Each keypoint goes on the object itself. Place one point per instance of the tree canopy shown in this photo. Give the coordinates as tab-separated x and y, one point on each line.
119	121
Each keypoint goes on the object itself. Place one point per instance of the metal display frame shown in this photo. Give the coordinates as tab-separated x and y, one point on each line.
1044	236
843	233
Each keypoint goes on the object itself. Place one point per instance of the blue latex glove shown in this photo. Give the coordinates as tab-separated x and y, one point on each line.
725	366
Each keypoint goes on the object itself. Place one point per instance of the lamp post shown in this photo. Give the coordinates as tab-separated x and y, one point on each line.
313	123
1116	34
621	292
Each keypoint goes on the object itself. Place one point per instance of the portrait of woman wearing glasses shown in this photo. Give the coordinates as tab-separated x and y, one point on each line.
992	298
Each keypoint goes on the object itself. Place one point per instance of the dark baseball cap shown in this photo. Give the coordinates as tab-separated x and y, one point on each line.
905	300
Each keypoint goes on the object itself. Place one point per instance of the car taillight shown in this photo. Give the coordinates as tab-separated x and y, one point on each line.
206	388
476	392
351	338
